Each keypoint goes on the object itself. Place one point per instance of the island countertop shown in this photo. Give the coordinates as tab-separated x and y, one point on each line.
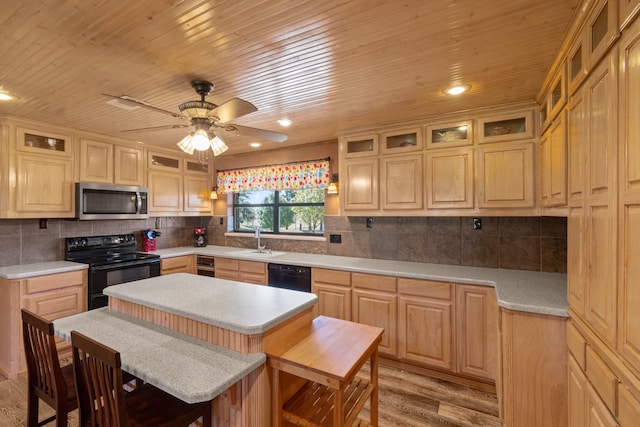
188	368
236	306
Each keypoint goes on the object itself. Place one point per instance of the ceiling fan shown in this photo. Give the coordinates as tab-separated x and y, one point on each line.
206	118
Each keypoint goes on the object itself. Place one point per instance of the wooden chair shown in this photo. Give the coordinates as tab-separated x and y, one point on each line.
102	401
46	379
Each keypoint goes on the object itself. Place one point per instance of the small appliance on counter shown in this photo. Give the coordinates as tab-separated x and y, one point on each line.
149	239
200	237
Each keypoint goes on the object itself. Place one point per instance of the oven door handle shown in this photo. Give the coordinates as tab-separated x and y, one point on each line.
121	265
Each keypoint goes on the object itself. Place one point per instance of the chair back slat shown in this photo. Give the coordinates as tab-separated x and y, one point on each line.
43	365
99	383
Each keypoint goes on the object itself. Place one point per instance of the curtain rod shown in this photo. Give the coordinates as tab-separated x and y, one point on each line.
328	159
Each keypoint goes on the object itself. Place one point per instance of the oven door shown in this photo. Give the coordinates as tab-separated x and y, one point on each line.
102	276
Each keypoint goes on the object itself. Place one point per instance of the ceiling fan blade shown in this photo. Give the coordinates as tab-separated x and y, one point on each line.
232	109
131	101
168	127
256	133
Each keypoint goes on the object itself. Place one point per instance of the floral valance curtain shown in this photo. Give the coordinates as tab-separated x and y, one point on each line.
289	176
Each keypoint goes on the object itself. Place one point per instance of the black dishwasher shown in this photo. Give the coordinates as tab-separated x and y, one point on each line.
291	277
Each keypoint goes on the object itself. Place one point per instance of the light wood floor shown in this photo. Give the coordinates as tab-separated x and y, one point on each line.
406	400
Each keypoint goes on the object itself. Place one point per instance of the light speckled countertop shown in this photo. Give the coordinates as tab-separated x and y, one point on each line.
530	291
188	368
14	272
237	306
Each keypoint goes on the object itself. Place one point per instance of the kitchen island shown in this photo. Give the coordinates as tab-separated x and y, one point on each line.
232	319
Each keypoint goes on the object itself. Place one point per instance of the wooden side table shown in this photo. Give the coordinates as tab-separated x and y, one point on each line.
328	353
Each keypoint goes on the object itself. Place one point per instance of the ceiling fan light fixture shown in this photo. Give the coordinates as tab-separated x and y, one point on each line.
196	109
218	146
200	140
186	145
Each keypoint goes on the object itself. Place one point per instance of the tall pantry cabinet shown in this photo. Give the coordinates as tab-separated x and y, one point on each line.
603	336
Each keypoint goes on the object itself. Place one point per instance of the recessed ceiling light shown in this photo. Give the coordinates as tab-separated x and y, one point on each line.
285	122
457	89
255	144
5	96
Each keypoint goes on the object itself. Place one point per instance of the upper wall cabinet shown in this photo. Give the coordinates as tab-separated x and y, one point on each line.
401	182
110	163
43	168
451	134
628	11
505	127
601	31
401	140
359	146
577	63
361	182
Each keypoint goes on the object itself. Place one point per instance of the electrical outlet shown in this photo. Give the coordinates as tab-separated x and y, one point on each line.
221	221
335	238
477	223
43	223
369	222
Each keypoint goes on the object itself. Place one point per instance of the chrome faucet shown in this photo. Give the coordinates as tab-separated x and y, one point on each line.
260	248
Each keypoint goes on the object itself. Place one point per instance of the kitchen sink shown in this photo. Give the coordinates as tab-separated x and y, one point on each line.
254	252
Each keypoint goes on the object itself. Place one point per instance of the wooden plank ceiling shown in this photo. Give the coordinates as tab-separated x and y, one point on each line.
329	66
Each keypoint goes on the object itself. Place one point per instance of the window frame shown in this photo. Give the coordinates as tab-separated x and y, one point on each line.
276	214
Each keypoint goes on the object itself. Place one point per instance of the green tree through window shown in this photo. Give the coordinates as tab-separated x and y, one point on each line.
280	212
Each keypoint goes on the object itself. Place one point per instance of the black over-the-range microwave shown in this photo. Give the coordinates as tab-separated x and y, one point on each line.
107	201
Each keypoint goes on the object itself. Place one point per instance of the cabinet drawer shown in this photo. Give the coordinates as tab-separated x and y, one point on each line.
53	305
55	281
374	282
602	378
425	288
252	267
628	407
227	264
256	279
331	276
576	344
176	262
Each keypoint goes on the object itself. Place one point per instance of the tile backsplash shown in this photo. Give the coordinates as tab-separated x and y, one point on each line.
523	243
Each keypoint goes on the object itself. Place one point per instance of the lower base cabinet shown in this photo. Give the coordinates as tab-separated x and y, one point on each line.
51	296
178	264
534	370
241	271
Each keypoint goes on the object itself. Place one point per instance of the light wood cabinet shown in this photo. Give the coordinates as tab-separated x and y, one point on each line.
601	213
333	289
254	272
178	186
52	296
553	164
359	186
44	185
509	126
450	134
178	264
534	369
165	192
375	303
597	413
401	182
628	11
401	140
577	394
505	175
449	176
359	145
477	331
109	163
577	145
629	200
601	30
96	161
426	323
128	165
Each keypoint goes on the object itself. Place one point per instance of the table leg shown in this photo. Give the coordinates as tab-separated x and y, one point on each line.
374	394
338	407
276	398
